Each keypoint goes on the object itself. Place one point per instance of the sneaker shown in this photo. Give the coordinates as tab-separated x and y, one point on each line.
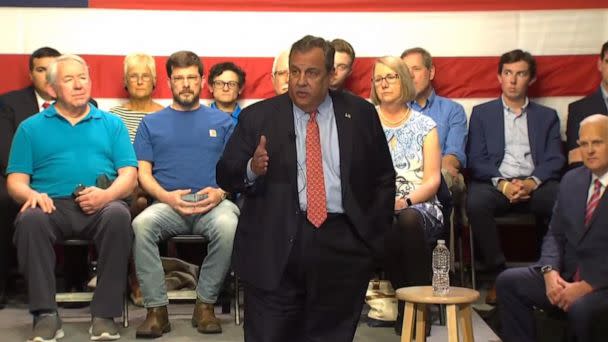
47	328
103	329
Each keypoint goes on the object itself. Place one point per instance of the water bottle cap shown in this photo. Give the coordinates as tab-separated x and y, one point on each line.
441	242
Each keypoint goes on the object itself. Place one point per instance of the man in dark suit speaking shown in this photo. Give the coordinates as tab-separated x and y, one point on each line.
572	273
318	182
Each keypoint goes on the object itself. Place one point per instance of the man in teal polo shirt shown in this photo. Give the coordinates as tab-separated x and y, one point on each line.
56	157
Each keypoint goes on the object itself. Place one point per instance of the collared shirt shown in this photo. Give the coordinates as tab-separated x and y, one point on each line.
234	115
604	95
603	180
40	101
451	124
58	155
328	133
517	161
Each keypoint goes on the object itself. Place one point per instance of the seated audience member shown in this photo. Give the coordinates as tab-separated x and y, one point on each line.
343	63
280	73
55	159
572	273
15	107
450	119
226	83
596	103
514	154
414	146
140	82
177	149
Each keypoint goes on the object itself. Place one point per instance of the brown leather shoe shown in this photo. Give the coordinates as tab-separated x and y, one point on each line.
491	295
156	323
204	320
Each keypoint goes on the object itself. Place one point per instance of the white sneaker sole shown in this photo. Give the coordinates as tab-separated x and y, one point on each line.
58	334
104	336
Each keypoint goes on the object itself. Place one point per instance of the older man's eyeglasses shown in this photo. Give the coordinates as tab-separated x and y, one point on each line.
219	84
143	77
389	78
281	73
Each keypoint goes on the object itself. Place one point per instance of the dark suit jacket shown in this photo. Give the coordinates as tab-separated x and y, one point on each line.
578	111
270	213
568	244
486	144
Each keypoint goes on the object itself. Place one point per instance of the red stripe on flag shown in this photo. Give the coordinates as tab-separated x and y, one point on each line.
456	77
348	5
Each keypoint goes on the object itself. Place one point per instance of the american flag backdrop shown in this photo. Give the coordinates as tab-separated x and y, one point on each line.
465	38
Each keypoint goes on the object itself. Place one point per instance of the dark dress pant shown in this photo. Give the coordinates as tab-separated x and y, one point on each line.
484	202
321	293
519	290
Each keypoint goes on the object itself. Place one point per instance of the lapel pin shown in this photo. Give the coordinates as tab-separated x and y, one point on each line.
347	115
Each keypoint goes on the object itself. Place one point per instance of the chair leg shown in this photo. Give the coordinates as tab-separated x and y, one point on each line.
408	323
472	249
237	305
466	323
452	323
125	310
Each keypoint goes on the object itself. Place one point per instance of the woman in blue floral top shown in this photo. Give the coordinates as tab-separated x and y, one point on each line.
414	145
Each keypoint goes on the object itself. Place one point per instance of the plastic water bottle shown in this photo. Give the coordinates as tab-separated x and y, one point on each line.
441	269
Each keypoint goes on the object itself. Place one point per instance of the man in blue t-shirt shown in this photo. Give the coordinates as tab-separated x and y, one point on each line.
178	148
56	157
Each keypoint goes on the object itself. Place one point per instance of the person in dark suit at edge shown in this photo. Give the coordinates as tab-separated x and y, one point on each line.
311	222
572	273
596	103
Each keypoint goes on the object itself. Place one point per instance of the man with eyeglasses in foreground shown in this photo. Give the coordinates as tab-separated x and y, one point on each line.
343	63
226	83
514	154
177	149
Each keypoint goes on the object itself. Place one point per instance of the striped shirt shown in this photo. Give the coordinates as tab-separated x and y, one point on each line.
130	118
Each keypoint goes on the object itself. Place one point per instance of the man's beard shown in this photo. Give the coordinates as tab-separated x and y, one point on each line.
187	103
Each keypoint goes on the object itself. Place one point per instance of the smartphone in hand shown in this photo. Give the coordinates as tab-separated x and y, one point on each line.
194	197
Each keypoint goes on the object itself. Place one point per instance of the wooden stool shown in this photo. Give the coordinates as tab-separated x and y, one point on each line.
416	297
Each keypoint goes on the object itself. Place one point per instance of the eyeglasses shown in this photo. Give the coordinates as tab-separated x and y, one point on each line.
281	73
219	84
144	77
182	79
342	67
389	78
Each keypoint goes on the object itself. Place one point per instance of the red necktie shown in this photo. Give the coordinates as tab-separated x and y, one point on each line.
593	201
315	182
46	104
591	205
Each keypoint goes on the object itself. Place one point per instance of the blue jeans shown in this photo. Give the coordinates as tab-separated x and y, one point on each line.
159	222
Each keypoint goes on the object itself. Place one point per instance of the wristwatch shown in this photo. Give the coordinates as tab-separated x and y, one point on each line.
408	201
546	269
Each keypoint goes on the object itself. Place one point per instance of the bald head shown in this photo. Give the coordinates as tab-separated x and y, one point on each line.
593	142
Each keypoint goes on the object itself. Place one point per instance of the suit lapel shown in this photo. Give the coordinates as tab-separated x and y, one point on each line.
599	99
601	205
581	191
344	125
286	132
499	119
532	131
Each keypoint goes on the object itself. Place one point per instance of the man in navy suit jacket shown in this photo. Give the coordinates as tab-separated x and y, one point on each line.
514	154
596	103
572	273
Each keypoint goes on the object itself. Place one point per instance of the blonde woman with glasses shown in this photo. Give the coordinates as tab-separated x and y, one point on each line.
414	146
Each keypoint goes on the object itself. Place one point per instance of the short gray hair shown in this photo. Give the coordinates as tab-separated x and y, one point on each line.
136	59
51	74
